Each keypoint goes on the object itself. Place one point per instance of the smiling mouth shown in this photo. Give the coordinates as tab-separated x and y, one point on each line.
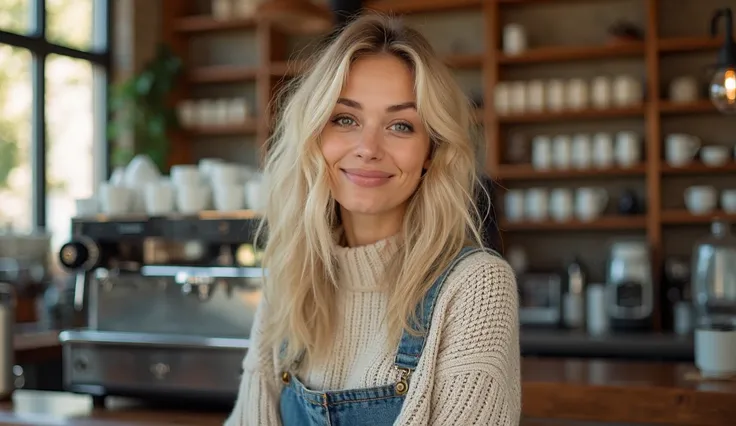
367	178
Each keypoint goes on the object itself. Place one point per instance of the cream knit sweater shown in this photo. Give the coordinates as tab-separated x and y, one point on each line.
468	373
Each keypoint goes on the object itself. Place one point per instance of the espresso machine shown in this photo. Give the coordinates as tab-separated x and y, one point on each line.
166	305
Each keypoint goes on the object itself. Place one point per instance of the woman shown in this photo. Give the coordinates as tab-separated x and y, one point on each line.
380	306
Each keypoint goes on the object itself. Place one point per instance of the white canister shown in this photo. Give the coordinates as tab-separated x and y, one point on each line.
561	152
536	204
514	39
603	150
596	315
628	149
502	97
542	152
561	202
518	97
576	94
555	95
601	92
582	153
535	101
514	205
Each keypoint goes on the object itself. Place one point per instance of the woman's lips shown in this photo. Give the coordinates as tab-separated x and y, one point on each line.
367	178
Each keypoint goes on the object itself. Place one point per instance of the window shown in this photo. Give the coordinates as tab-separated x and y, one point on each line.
54	65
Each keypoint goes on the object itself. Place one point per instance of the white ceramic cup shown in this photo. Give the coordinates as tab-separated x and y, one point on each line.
159	198
562	152
555	95
226	174
518	97
502	97
255	196
192	198
582	151
228	197
185	174
683	89
87	206
590	203
535	100
542	152
514	39
680	148
576	94
601	92
715	352
536	204
603	156
701	199
628	149
514	205
561	204
714	155
116	199
728	200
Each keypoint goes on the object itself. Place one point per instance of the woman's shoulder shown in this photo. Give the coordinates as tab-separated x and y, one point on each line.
482	274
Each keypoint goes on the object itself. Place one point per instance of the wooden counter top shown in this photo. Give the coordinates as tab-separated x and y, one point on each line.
626	392
555	392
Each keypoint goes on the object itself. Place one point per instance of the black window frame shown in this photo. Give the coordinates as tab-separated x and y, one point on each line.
40	47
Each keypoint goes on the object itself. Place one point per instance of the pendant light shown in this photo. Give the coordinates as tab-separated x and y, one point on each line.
296	16
722	87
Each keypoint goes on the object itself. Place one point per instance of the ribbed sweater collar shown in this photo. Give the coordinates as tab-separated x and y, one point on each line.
361	268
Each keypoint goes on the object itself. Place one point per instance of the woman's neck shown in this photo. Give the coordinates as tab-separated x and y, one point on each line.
363	229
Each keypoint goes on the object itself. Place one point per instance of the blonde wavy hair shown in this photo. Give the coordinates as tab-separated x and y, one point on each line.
301	215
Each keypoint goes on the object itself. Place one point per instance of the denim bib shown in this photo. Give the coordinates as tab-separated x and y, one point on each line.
378	406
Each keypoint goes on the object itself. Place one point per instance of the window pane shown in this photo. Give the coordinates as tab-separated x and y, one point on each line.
69	143
15	138
69	22
15	15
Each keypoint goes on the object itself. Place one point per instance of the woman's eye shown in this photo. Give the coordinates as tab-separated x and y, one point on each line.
402	127
344	121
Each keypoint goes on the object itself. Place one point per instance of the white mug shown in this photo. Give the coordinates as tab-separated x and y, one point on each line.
728	200
514	205
535	96
561	204
603	150
561	152
684	89
555	95
714	352
576	94
590	203
514	39
680	148
700	199
116	199
601	92
228	196
502	97
582	155
714	155
627	91
536	204
159	198
518	97
628	149
541	152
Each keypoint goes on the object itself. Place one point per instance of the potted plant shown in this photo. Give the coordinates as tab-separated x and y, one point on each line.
142	109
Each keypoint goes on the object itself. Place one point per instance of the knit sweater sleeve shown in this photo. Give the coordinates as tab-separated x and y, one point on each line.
257	401
477	379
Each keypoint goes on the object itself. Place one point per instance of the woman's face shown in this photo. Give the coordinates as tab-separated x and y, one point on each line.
374	143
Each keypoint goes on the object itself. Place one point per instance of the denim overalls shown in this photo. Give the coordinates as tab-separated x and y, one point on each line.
368	406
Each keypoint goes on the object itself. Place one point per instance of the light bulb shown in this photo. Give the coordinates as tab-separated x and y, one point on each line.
723	90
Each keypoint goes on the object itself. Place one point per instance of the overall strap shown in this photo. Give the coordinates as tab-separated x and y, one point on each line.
410	346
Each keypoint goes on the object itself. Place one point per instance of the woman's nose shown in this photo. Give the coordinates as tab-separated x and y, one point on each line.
369	144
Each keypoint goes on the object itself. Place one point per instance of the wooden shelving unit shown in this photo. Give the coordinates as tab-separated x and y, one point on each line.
182	22
684	217
574	53
527	172
605	223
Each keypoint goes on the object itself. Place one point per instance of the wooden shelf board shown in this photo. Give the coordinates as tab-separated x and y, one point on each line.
684	217
249	127
689	44
586	114
464	60
697	168
572	53
703	105
287	68
527	172
602	223
420	6
207	23
222	74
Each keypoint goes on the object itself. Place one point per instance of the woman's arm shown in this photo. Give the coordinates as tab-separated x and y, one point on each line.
257	403
476	378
